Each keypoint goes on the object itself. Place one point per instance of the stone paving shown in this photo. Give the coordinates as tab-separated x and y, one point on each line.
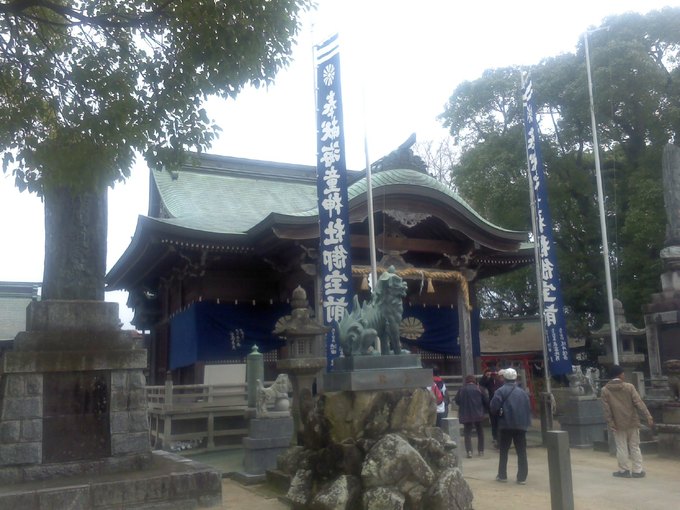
594	486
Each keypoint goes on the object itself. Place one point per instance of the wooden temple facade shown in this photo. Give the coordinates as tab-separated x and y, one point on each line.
212	266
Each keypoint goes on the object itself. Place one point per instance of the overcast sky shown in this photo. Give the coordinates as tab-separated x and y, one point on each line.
400	62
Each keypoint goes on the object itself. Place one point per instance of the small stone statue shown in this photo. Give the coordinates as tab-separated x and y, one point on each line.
593	378
276	395
579	384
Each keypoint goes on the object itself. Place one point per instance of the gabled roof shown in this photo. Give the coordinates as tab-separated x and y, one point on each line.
233	205
413	192
224	198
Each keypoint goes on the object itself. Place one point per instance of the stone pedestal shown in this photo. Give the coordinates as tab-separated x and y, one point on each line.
73	392
73	404
376	373
583	418
267	439
668	432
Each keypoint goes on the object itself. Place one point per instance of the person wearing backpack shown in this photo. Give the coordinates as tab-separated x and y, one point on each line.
511	404
441	397
472	405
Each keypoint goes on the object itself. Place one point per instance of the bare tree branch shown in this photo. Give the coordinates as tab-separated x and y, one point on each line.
74	17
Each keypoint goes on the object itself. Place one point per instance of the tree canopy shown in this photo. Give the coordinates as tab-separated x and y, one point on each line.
636	74
85	85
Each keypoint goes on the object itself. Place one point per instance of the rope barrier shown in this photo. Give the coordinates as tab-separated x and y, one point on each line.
419	274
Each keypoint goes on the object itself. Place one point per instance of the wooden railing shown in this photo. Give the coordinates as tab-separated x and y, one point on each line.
197	413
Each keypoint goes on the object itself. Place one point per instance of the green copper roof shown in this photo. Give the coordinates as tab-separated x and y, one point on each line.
223	198
411	178
228	204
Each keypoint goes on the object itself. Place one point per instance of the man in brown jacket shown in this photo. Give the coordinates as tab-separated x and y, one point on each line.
622	406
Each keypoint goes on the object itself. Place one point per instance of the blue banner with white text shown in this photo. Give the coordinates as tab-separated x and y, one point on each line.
553	307
334	239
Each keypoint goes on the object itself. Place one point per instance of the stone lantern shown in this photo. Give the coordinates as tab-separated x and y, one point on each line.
630	342
306	354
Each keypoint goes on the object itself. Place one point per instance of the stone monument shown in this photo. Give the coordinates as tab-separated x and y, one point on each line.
662	315
581	413
73	404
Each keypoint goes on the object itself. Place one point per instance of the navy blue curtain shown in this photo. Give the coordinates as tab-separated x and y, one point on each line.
208	331
436	329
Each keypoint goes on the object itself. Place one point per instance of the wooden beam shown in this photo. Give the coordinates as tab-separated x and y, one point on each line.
408	244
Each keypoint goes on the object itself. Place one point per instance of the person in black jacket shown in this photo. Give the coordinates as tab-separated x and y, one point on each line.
513	422
472	404
491	382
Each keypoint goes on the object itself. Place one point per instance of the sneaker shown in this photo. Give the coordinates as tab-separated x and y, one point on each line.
499	479
623	474
521	482
641	474
469	455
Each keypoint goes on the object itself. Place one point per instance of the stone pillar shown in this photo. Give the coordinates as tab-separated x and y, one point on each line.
465	336
254	371
559	466
653	356
452	427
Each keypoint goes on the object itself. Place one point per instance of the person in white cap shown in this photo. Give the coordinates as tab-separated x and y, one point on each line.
511	404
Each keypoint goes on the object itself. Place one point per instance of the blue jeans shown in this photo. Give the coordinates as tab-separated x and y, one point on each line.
519	438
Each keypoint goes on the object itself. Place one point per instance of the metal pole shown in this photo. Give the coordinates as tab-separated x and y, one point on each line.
371	226
600	201
539	279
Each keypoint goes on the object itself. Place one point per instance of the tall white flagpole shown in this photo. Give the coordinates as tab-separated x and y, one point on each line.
600	201
371	225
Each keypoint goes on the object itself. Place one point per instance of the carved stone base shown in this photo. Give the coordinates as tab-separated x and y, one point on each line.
377	373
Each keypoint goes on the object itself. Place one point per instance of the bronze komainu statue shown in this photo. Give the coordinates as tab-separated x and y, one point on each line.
380	317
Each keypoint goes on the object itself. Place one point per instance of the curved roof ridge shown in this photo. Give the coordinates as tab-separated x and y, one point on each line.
409	177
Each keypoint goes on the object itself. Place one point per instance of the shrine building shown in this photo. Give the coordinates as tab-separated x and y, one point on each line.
212	266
